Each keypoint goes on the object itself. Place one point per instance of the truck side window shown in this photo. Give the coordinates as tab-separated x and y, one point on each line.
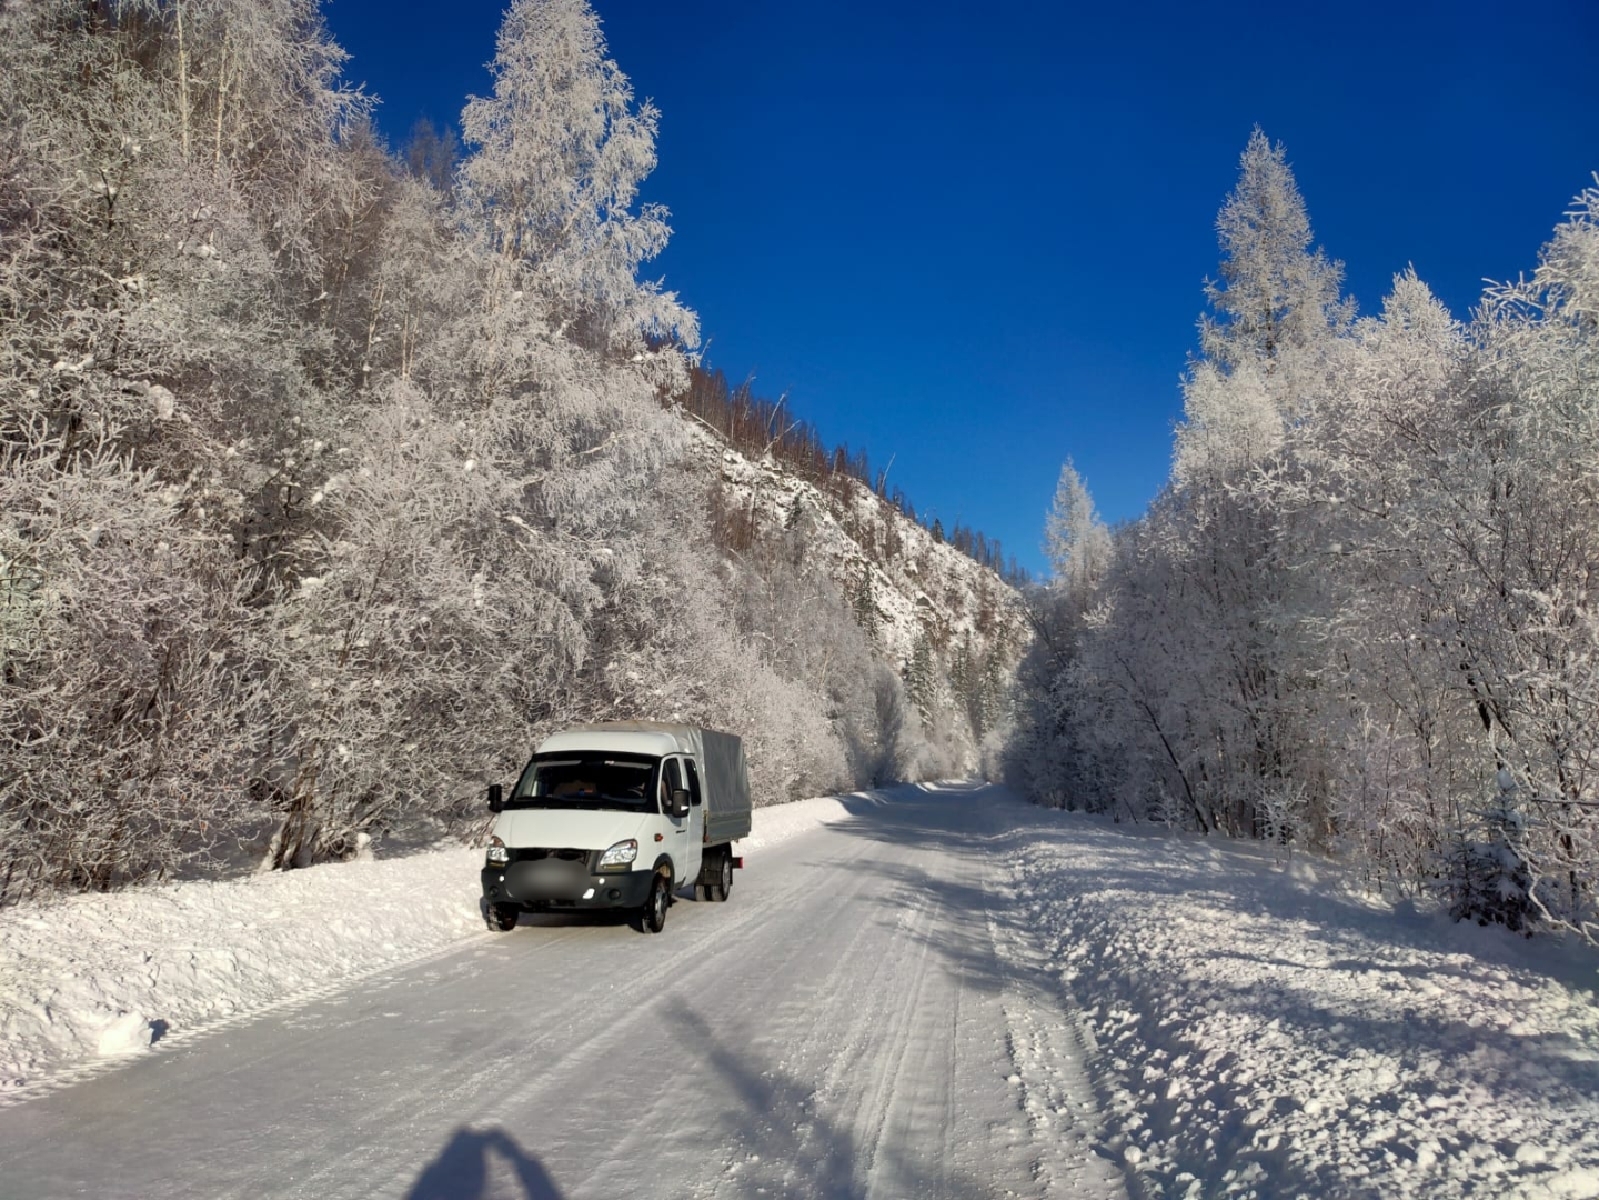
693	781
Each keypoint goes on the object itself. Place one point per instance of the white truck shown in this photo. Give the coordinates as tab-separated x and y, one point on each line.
618	816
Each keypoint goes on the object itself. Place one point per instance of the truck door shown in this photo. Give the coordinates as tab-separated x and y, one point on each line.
688	833
697	801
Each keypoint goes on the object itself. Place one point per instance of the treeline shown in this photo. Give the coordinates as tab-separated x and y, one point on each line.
326	489
1362	614
757	427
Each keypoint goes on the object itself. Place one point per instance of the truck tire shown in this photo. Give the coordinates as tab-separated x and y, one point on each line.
705	881
503	917
660	898
722	880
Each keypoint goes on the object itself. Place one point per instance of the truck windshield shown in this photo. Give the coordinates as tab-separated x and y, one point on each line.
587	781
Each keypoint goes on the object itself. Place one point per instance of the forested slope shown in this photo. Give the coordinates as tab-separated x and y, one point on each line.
325	490
1361	615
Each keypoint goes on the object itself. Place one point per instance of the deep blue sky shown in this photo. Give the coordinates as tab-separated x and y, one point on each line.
973	236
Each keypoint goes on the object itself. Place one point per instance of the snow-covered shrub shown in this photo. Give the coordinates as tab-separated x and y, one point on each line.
1487	879
132	691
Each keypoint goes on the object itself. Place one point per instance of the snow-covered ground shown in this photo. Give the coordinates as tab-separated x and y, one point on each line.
942	982
850	1026
1258	1028
96	977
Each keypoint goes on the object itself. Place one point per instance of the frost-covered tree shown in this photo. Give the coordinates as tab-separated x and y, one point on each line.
132	700
1046	755
1274	313
561	149
1274	329
1362	602
1075	539
1276	295
148	292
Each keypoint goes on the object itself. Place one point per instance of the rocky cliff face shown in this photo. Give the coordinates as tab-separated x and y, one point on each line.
950	629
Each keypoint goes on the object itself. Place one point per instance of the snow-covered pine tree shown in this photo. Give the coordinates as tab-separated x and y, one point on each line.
1487	878
1276	295
1076	541
553	182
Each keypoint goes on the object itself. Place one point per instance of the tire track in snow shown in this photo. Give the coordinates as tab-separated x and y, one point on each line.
1050	1062
884	1116
577	1022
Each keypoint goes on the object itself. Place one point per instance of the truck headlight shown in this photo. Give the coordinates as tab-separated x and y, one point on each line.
620	855
498	854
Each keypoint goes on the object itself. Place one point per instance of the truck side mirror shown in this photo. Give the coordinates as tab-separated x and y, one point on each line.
496	798
679	803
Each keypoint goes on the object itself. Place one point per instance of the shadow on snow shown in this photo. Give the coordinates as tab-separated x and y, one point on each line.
462	1169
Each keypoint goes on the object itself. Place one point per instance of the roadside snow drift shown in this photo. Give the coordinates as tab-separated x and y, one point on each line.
95	977
1259	1031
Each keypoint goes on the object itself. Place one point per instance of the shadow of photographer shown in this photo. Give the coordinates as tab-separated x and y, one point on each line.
462	1170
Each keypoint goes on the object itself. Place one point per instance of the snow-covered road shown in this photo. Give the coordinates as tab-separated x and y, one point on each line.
865	1018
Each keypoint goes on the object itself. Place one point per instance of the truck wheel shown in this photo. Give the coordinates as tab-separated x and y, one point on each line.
503	917
655	907
724	876
705	881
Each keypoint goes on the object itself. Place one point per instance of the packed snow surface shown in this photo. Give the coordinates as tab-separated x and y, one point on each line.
92	977
858	1020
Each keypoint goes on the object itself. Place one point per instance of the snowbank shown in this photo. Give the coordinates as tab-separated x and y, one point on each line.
783	821
1259	1030
90	978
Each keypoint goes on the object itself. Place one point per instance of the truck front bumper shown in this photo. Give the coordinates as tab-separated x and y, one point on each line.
534	890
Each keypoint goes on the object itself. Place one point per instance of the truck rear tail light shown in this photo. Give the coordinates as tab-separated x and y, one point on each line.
738	864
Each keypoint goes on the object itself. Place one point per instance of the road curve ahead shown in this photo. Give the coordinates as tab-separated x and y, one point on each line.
863	1019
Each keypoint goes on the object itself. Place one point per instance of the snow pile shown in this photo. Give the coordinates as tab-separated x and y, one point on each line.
1259	1031
783	821
100	975
94	977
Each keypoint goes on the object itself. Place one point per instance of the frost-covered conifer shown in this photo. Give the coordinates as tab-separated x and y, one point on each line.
552	183
1276	295
1075	539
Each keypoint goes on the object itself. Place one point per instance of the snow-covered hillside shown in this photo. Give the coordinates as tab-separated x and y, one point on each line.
950	627
920	587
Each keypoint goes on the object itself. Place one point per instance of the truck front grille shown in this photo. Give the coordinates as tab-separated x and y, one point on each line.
586	857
